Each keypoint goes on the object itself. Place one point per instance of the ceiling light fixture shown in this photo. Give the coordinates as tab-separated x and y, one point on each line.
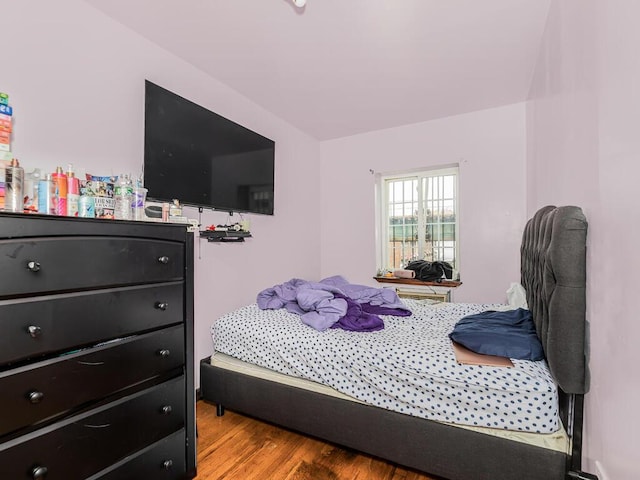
299	3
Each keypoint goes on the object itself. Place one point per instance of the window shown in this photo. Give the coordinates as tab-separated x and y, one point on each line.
418	218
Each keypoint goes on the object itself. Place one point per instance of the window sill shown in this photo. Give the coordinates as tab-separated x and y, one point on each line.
413	281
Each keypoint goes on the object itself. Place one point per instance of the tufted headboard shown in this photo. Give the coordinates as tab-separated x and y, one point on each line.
553	273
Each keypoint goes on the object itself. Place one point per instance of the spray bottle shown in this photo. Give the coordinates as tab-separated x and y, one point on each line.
14	181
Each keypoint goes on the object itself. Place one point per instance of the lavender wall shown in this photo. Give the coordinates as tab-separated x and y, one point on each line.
76	82
489	147
583	149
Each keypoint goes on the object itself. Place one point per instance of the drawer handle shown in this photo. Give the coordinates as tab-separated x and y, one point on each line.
33	266
90	364
34	331
166	410
167	464
162	306
36	397
39	472
164	353
163	259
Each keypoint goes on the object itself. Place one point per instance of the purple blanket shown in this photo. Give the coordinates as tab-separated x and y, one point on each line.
334	303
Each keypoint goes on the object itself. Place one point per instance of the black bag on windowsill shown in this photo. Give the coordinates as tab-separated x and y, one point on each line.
430	271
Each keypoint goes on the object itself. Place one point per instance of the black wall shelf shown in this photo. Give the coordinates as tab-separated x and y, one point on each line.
224	236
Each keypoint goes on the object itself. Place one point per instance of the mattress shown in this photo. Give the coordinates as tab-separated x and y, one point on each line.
408	367
558	440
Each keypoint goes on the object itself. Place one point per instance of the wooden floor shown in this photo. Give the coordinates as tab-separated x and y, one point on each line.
234	447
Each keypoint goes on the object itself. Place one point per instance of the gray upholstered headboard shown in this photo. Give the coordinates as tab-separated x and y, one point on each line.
553	272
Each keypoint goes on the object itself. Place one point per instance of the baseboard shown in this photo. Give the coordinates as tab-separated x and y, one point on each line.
601	472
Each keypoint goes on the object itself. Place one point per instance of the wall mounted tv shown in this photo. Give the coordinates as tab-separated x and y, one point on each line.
202	159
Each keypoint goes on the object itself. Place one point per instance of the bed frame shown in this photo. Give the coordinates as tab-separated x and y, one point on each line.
553	272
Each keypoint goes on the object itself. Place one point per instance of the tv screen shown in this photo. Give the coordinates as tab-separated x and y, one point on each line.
203	159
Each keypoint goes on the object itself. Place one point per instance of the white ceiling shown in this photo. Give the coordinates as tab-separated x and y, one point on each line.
342	67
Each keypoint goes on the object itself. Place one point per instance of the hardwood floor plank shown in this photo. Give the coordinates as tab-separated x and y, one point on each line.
235	447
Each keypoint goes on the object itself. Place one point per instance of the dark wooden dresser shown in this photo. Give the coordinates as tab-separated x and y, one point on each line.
96	349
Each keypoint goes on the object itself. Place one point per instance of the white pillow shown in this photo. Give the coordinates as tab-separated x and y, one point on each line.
516	297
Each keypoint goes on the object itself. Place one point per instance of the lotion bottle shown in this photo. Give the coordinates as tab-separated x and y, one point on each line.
73	192
60	184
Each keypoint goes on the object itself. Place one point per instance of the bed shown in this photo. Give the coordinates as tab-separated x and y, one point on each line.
553	275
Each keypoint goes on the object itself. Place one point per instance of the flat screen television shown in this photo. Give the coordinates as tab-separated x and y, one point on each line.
203	159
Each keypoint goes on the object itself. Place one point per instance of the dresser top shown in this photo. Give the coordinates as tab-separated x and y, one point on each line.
18	225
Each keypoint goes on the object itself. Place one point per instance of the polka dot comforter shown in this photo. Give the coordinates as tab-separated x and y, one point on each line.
408	367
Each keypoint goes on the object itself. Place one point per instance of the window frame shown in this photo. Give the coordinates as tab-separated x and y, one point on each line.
382	210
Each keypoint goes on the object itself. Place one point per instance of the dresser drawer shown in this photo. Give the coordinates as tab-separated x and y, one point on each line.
47	389
54	323
165	460
83	445
59	264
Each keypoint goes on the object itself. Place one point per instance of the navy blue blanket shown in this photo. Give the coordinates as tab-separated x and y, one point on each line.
510	333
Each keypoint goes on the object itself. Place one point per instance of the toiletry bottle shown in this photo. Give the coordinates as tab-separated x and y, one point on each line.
73	192
165	212
30	190
60	181
14	182
87	207
46	195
